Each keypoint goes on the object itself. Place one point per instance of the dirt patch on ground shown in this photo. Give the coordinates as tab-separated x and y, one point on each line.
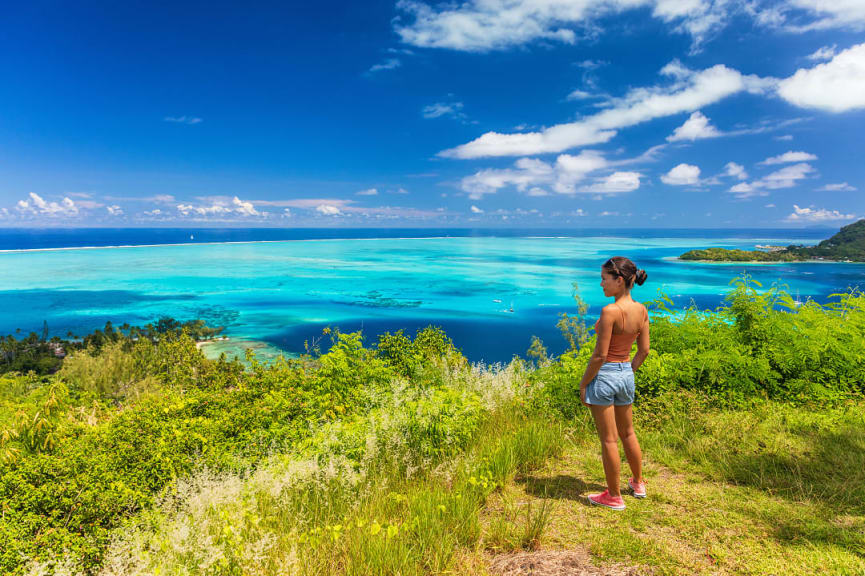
557	563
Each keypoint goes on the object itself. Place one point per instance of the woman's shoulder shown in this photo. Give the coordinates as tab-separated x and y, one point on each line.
611	308
642	308
638	308
615	306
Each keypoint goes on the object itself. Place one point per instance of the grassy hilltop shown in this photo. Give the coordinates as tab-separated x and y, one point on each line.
140	456
846	245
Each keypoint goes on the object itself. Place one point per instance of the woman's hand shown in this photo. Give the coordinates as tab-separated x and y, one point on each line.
583	396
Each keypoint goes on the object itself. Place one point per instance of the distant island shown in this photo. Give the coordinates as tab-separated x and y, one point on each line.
848	245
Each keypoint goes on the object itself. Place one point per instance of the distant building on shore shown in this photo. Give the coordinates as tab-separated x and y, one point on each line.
770	248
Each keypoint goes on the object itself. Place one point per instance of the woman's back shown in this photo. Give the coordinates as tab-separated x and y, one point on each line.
627	326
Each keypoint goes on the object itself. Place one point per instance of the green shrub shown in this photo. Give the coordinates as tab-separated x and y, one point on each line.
113	372
423	360
556	386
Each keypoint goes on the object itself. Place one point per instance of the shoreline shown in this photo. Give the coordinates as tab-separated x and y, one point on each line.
200	344
764	262
237	347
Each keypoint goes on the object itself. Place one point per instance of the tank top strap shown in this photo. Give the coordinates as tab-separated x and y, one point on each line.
622	310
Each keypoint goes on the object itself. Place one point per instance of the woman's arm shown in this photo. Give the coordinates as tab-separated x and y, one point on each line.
642	344
599	355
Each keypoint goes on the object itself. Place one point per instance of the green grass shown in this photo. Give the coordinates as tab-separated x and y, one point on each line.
327	517
770	489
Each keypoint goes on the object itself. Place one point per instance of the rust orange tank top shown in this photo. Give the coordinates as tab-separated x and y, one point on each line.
621	343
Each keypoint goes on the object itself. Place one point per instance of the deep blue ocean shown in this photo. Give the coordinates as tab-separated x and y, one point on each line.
490	289
35	238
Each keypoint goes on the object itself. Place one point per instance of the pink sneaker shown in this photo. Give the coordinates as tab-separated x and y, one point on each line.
637	488
604	499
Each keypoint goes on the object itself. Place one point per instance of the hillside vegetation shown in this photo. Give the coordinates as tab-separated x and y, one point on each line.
141	456
846	245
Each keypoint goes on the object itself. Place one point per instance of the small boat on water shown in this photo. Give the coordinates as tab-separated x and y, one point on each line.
497	301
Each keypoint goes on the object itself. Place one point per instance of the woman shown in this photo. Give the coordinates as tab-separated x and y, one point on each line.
607	386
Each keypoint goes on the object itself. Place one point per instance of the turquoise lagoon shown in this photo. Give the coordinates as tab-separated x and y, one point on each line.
490	293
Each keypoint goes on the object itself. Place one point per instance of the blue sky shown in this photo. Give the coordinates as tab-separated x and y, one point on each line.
518	113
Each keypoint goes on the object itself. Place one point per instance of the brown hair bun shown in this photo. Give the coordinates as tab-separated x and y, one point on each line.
623	268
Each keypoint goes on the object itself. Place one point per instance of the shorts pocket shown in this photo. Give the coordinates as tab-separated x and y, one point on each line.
602	391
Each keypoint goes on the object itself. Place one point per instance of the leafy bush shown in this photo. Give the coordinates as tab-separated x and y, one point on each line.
125	419
422	360
761	344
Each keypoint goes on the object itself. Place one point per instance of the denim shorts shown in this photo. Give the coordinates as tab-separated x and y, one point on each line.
614	385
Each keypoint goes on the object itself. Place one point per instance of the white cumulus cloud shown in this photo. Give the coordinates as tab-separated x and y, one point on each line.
824	53
476	210
829	14
682	175
439	109
525	173
789	157
571	169
368	192
816	215
696	127
842	187
220	207
529	175
834	86
114	210
202	210
387	64
580	95
689	92
735	171
786	177
615	183
484	25
36	205
328	210
244	208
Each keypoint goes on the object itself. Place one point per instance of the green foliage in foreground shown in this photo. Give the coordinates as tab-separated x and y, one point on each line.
848	244
44	356
760	345
101	439
141	442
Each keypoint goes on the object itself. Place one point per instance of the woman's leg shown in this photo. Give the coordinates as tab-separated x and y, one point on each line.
625	427
605	422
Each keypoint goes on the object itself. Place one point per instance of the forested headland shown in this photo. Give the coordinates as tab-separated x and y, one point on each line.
848	245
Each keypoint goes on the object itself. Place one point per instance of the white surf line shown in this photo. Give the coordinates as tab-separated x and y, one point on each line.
16	250
117	246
